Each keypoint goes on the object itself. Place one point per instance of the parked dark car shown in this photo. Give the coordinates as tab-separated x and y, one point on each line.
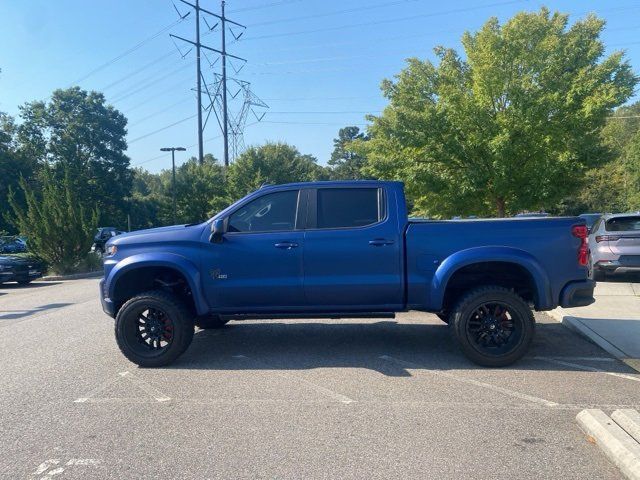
103	234
12	245
19	269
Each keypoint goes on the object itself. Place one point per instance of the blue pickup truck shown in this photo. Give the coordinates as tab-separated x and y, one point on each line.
342	249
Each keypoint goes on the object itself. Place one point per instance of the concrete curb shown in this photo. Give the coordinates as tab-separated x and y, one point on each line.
73	276
577	326
629	420
617	445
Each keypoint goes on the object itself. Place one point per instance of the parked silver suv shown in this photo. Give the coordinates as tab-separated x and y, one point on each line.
614	245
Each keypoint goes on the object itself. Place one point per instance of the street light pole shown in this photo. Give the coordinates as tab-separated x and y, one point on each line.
173	175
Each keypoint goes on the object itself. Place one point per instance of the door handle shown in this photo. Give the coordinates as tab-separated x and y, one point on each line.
286	245
379	242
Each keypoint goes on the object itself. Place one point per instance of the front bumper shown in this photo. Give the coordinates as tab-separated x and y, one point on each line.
577	294
12	276
107	304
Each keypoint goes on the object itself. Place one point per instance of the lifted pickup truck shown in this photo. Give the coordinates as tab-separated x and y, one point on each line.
342	249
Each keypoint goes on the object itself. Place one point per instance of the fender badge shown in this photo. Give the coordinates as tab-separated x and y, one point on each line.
216	275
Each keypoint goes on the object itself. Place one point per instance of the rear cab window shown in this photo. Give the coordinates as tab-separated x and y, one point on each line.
623	224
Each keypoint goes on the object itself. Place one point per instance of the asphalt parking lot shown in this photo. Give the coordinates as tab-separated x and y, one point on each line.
291	399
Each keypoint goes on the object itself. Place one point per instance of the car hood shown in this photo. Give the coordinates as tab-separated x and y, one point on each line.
159	234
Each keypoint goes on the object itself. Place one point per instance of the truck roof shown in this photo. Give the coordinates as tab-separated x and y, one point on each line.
334	183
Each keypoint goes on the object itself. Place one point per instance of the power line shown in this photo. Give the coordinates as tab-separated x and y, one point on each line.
210	139
141	69
129	51
324	112
329	14
267	5
161	129
151	115
388	20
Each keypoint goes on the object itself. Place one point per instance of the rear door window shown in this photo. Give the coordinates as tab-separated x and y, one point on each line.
348	207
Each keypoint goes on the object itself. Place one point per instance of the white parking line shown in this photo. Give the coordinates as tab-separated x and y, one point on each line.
325	391
47	471
159	396
488	386
578	359
138	382
587	368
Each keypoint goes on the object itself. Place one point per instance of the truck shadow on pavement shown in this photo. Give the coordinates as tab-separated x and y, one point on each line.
272	345
15	314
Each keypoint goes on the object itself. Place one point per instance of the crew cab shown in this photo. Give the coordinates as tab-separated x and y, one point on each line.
342	250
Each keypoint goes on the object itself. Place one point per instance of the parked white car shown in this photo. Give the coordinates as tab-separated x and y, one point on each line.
614	245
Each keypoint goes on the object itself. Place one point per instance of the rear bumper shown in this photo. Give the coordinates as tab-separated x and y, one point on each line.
107	304
577	294
622	265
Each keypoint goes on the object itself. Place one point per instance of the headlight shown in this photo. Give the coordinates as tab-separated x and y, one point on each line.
111	250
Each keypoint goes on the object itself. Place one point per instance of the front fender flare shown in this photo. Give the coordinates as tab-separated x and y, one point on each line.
473	255
170	260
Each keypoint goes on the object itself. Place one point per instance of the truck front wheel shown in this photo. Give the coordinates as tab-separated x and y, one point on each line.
493	326
154	328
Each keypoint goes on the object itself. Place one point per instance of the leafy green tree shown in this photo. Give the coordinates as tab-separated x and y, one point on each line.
273	163
346	163
13	166
79	135
511	126
58	226
200	190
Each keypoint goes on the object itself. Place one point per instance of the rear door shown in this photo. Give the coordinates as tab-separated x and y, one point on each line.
352	257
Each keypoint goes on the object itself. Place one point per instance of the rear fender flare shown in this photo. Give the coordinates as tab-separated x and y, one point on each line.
470	256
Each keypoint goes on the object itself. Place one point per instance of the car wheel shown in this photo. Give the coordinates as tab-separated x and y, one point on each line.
493	326
154	328
211	322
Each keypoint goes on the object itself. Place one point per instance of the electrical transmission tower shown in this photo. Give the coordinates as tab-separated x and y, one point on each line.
232	125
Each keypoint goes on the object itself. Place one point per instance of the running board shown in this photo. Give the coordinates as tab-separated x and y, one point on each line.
330	315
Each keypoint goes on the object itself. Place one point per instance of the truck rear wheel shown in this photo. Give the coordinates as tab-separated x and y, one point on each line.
154	328
493	326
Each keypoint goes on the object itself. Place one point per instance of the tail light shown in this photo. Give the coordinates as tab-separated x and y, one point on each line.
606	238
581	232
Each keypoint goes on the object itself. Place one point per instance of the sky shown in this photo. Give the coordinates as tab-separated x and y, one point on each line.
317	64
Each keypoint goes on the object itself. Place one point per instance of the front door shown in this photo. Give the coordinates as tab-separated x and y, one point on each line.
353	251
258	265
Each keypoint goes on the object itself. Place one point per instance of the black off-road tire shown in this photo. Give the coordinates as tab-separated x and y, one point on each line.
126	325
211	322
464	312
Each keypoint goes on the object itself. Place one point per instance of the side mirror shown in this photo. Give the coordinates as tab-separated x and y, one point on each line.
218	229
